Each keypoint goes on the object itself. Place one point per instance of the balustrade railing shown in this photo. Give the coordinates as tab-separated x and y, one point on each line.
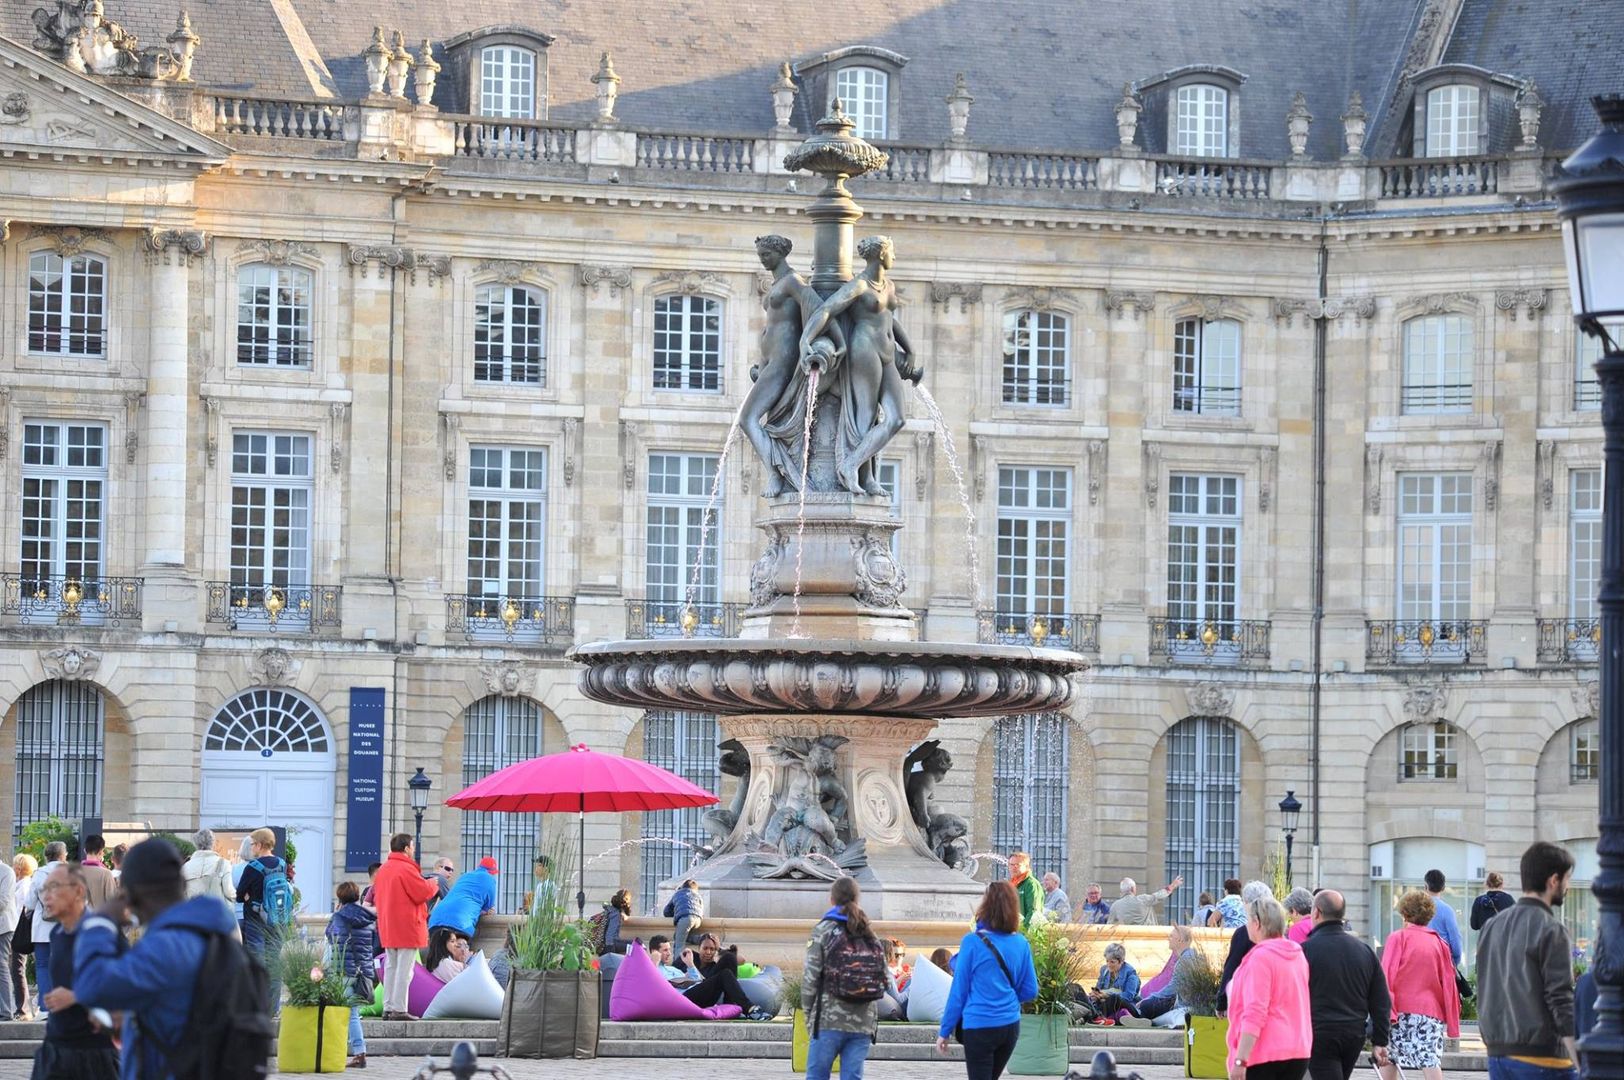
696	153
1022	169
1434	178
661	618
512	140
543	622
1222	643
1214	178
1569	641
274	118
33	600
274	609
1398	642
904	164
1056	630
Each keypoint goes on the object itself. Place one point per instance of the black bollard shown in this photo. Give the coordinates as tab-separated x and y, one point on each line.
1103	1067
464	1065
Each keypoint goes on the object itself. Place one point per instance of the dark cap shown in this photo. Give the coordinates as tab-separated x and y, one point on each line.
151	862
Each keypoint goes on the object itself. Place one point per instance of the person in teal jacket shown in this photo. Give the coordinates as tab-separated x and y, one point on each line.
471	896
985	1002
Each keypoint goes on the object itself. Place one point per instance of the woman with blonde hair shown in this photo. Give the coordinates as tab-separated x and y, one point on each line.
23	866
1421	976
1271	1034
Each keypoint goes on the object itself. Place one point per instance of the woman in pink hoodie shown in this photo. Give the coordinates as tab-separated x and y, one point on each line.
1421	975
1270	1032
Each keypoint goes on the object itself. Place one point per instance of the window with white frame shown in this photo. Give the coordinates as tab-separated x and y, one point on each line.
1584	543
64	481
67	304
1428	752
1031	776
1434	547
507	523
1453	113
1034	540
864	92
499	731
1037	358
687	343
273	315
1203	808
1207	367
507	82
1584	751
681	538
271	487
888	472
60	727
1203	554
1586	390
510	335
1201	121
1438	364
683	743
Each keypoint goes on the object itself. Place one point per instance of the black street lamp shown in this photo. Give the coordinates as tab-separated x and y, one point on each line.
419	786
1589	189
1290	810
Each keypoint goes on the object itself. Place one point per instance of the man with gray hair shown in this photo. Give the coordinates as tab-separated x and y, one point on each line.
56	853
1056	904
1131	909
207	872
1346	988
1241	943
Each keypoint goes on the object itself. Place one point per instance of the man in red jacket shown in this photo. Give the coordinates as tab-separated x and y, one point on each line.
401	894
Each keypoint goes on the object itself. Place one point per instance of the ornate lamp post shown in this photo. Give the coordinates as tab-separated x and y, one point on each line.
1290	809
1589	188
419	786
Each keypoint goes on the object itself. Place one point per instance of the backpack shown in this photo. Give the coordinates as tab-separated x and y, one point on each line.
854	967
277	899
229	1032
597	929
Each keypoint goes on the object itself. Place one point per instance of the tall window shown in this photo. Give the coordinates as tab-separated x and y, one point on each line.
683	743
863	91
510	335
678	489
271	484
1207	367
1584	543
67	304
1584	751
1034	551
1452	121
1201	124
60	727
507	82
498	732
507	523
1438	364
64	477
1428	752
1037	358
273	316
1203	554
1586	390
1031	774
687	343
889	473
1203	809
1435	547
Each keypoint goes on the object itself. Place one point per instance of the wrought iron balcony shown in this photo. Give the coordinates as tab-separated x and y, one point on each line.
1229	643
673	618
70	601
1569	641
274	609
1056	630
541	622
1400	642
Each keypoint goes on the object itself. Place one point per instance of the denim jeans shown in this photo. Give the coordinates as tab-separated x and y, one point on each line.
358	1042
682	931
851	1047
987	1050
1504	1068
42	973
7	1006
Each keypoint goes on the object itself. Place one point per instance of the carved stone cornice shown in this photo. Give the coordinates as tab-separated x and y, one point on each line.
945	292
69	240
70	662
276	252
272	666
1439	303
508	678
1531	301
1210	699
1037	297
185	244
1313	308
1211	306
1425	701
504	271
684	281
392	257
591	277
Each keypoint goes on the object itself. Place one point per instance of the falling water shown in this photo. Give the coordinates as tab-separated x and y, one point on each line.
953	463
640	841
710	511
973	862
800	517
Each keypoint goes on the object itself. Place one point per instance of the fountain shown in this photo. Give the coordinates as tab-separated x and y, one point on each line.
828	698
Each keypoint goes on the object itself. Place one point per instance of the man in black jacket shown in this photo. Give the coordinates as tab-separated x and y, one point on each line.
1345	988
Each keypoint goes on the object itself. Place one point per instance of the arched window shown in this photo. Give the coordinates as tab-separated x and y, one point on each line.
1203	809
507	82
1429	752
683	743
510	335
1037	358
498	732
687	343
1207	367
1438	364
1584	751
1201	123
865	93
1453	113
273	316
268	721
1031	775
60	728
67	304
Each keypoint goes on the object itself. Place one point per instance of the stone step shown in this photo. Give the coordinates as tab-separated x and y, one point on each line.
686	1033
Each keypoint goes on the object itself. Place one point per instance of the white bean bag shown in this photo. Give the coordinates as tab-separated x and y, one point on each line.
927	991
473	995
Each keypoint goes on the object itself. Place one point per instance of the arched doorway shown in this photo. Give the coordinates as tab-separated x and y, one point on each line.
1203	843
498	732
268	759
58	736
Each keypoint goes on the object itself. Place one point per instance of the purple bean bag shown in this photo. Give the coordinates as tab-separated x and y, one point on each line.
423	989
640	992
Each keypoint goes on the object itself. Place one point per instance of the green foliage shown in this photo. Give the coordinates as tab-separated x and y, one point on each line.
182	845
1058	963
1195	984
1274	870
549	939
308	980
792	990
37	834
293	852
1468	1005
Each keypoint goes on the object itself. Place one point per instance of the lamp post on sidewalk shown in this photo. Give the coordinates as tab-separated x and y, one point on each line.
1589	187
419	786
1290	809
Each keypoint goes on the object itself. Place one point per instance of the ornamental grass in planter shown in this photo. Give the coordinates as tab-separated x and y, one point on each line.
551	1008
1044	1046
1206	1035
313	1032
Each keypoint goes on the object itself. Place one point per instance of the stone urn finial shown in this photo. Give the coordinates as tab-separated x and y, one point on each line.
1298	118
958	109
425	74
1354	124
1127	116
783	91
400	62
608	85
377	57
183	45
1529	104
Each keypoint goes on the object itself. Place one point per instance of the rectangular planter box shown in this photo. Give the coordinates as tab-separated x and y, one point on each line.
550	1014
313	1039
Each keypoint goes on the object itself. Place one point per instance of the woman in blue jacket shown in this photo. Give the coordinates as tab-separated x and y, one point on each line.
993	976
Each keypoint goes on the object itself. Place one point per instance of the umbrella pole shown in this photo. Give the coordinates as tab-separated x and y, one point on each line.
580	888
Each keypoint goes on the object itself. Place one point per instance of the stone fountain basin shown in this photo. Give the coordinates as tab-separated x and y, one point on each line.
734	677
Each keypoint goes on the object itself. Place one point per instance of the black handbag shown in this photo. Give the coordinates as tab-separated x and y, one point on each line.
958	1028
22	939
1462	987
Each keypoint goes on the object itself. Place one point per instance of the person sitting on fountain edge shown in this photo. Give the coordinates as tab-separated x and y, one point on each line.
686	910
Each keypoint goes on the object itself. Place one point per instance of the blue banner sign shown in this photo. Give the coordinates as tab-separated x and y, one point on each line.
364	826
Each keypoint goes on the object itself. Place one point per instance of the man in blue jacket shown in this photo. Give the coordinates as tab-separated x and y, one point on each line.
472	896
151	982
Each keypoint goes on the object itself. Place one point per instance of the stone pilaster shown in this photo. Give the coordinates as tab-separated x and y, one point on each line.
613	450
1509	493
1133	480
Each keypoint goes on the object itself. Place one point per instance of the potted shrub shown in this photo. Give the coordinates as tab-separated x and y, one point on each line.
313	1033
551	1006
1044	1048
1195	984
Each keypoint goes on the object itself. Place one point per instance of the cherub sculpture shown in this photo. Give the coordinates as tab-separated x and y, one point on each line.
812	818
943	832
735	761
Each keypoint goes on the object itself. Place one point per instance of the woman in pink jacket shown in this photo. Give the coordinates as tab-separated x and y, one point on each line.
1270	1032
1421	977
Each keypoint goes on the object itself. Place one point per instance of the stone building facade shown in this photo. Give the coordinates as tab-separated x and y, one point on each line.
332	383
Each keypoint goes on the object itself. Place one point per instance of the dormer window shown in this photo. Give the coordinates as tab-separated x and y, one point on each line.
868	81
507	82
1453	116
496	71
865	94
1192	111
1201	123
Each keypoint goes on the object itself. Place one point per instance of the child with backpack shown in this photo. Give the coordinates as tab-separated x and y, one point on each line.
266	896
841	985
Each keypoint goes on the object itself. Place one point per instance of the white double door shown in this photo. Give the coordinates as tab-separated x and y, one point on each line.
243	791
